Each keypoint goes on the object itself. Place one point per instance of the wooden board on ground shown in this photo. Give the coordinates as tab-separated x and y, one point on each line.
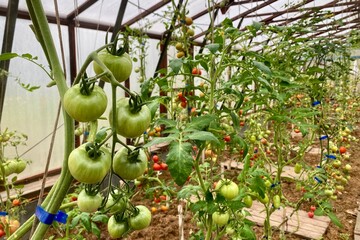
357	225
31	187
288	171
299	223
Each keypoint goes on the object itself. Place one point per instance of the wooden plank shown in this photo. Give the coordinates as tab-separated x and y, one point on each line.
356	237
357	225
31	187
299	223
314	151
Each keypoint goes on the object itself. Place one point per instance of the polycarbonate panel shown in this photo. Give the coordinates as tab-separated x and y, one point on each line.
33	113
64	6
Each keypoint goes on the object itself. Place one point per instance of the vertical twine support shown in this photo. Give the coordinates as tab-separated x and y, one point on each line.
181	222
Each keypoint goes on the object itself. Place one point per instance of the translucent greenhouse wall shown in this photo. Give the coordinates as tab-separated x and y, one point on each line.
34	113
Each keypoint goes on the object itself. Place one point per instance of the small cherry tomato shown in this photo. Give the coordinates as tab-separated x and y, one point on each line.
227	138
16	202
164	208
153	209
164	166
196	71
312	208
156	167
311	214
342	150
155	158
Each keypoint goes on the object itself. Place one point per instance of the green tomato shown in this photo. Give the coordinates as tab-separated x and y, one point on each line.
20	165
130	124
119	66
128	168
220	219
85	108
276	201
9	167
227	188
86	169
115	207
264	200
297	168
142	219
248	201
88	203
116	229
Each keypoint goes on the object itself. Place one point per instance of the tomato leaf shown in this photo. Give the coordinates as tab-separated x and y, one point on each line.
7	56
201	136
180	161
175	65
247	233
201	122
213	48
86	221
334	219
95	230
103	218
160	140
188	191
308	195
257	184
262	67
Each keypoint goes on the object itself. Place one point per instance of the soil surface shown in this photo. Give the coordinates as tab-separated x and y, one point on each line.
165	224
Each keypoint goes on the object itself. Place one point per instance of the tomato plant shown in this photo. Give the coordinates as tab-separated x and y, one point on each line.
85	102
130	163
132	118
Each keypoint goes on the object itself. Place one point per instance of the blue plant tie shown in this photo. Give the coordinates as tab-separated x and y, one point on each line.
331	156
323	137
318	179
3	213
316	103
48	218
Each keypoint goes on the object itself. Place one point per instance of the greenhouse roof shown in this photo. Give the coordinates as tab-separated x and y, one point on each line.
341	15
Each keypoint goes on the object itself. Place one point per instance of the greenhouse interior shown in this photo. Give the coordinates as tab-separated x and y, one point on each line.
180	119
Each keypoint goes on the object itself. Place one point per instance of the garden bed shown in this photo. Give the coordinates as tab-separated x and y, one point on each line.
165	224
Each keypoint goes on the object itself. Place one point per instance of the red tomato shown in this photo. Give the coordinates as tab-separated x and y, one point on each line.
312	208
155	158
16	202
163	198
311	214
2	233
164	166
227	138
196	71
342	150
156	167
183	104
296	130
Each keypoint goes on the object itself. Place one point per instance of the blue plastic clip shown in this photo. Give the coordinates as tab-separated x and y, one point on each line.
3	213
331	156
316	103
317	179
48	218
323	137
